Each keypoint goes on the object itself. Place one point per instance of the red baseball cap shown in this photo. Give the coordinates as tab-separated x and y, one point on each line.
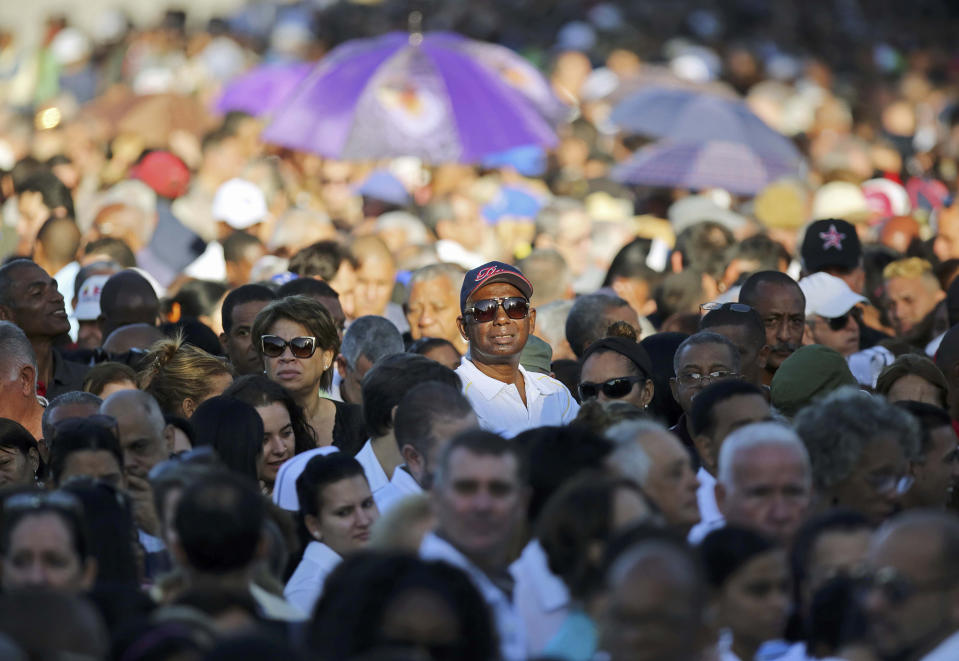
166	174
491	272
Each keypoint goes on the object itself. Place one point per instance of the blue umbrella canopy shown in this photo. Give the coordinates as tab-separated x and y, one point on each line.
687	116
732	166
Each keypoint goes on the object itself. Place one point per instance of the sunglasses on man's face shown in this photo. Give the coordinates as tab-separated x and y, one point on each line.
838	323
515	307
613	388
273	346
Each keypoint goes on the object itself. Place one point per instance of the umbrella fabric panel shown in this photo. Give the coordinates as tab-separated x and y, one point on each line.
520	75
396	96
717	164
490	116
404	110
318	117
687	116
263	89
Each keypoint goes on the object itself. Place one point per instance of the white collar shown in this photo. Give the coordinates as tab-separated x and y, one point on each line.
321	554
489	387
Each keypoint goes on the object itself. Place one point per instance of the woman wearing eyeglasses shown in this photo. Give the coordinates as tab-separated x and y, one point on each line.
43	543
616	369
297	340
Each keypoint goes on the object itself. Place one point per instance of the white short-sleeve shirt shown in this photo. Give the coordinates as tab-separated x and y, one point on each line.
500	409
399	487
306	584
375	474
541	597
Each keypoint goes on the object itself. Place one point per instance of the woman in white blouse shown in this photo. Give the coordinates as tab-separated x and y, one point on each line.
749	582
337	511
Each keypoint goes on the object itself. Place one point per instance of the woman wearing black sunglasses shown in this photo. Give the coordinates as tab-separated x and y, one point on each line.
297	339
616	368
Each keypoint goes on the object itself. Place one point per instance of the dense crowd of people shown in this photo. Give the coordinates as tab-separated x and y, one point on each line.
262	404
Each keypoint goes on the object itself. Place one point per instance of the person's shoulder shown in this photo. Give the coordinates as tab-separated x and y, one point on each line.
547	384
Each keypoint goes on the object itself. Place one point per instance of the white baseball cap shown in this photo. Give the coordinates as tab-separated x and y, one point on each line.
88	300
240	203
828	296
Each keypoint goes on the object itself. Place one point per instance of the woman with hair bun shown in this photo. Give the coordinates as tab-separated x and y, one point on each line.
181	377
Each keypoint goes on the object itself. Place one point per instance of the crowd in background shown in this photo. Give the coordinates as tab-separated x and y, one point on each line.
260	403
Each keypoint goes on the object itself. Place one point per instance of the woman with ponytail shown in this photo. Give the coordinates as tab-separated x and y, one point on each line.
181	377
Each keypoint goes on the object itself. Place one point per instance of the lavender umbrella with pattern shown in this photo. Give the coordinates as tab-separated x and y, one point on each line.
437	96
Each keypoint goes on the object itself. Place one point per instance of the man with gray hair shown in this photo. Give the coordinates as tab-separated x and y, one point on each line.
548	272
591	316
765	480
18	389
860	447
650	455
368	339
563	225
432	305
145	440
73	404
552	328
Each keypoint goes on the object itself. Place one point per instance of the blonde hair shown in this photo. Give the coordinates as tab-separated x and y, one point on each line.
910	267
176	371
399	528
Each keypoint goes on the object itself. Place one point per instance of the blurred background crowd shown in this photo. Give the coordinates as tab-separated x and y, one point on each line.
717	245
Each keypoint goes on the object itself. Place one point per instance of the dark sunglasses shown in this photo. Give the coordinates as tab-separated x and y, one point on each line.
515	307
60	500
733	307
273	346
838	323
614	388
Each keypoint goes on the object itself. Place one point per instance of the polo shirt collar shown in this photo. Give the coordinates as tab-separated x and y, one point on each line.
489	387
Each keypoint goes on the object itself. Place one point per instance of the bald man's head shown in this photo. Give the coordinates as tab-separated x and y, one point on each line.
654	609
127	298
134	336
917	549
145	438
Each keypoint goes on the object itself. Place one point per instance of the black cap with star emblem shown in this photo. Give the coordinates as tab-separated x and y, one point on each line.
830	243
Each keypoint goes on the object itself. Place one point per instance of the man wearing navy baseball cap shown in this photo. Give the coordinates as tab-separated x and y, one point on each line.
496	320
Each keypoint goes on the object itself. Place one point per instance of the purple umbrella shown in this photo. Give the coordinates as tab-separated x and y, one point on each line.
713	164
682	115
262	89
430	96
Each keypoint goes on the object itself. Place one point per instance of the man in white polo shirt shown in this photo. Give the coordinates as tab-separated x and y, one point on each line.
496	319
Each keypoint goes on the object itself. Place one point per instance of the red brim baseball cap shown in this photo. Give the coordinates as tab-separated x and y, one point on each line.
489	273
